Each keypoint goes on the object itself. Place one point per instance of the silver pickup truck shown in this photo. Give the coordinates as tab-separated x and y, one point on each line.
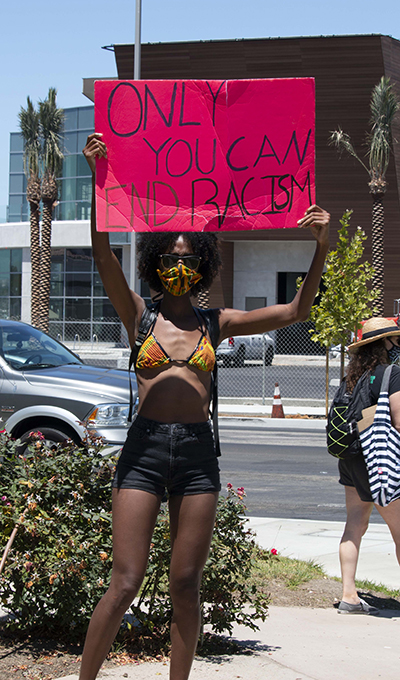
234	351
44	386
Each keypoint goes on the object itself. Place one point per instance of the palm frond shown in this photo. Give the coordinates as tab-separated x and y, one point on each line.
384	106
51	123
30	130
341	140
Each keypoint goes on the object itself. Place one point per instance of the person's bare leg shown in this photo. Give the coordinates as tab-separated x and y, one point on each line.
134	516
391	515
358	513
192	521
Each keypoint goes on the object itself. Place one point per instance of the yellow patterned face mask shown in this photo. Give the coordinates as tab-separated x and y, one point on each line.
179	280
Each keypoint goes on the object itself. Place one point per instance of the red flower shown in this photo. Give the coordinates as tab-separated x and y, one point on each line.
274	551
229	486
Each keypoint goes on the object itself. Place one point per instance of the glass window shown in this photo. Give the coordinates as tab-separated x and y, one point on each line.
57	260
108	332
67	211
15	284
16	142
77	309
82	139
15	308
78	284
84	189
69	166
70	142
55	309
98	288
70	119
82	169
68	189
17	184
86	117
5	260
4	308
4	285
17	162
16	201
103	310
83	210
255	303
56	288
16	260
79	260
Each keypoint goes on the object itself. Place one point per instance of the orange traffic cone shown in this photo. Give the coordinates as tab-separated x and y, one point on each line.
277	408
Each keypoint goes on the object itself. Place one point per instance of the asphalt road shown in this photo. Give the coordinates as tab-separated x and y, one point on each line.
285	474
295	381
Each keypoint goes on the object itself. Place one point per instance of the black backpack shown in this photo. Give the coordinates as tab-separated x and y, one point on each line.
210	318
343	439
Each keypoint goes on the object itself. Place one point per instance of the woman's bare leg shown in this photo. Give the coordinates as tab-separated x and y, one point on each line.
134	516
358	514
192	521
391	515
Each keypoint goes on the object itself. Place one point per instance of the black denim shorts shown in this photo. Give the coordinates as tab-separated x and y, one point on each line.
353	472
179	458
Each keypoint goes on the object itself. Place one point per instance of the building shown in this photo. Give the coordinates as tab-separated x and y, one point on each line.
259	267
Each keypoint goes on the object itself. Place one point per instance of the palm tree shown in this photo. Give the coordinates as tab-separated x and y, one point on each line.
384	105
30	131
51	125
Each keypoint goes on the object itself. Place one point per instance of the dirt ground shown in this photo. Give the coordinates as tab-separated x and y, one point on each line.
41	659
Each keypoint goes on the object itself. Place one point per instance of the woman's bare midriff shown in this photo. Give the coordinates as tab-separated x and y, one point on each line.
176	393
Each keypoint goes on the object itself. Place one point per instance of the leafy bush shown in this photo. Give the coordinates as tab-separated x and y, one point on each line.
60	562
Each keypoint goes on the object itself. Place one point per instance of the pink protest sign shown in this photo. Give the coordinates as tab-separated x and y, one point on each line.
200	155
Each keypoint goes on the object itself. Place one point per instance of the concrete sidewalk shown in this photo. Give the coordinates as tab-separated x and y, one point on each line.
301	643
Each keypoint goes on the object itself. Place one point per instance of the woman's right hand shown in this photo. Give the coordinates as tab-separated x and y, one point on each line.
94	148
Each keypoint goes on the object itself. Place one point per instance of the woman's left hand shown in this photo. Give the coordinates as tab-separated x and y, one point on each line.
317	220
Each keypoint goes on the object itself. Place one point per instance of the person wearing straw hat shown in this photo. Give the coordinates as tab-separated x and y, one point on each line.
378	347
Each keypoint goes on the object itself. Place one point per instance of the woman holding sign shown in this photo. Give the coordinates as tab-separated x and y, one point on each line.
170	445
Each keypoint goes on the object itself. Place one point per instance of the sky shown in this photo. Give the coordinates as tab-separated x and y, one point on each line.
46	44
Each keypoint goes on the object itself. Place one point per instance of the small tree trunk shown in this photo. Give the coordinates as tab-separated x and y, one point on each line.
45	266
203	299
378	253
33	195
35	263
341	362
326	382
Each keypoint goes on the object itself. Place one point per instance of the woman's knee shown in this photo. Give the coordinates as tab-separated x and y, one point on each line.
185	585
123	589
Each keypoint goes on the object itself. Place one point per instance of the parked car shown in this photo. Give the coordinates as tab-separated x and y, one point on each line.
44	386
234	351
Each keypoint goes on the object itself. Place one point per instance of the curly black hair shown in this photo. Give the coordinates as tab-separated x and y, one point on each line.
366	358
151	245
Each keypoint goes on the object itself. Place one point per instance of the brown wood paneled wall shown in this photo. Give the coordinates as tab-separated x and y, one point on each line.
346	68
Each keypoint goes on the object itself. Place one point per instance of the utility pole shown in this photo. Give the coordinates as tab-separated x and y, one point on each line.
136	75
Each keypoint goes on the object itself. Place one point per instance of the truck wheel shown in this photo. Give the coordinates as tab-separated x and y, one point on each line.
52	437
238	360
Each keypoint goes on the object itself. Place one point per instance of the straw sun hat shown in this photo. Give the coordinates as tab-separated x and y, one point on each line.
375	329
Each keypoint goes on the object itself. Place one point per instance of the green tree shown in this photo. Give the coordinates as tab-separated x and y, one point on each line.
384	105
41	132
51	125
30	131
346	299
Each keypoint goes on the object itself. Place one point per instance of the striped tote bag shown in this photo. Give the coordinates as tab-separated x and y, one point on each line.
381	448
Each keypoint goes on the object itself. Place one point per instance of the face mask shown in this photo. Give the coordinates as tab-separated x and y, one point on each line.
393	353
179	280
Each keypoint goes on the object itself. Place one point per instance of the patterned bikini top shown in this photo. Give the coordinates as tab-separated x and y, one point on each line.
152	354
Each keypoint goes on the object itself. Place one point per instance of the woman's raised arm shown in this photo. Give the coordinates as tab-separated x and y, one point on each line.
238	322
128	305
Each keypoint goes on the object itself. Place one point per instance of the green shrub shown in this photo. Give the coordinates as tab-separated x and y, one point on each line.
60	563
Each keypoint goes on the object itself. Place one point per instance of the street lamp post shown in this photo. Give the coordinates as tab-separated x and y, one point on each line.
136	74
